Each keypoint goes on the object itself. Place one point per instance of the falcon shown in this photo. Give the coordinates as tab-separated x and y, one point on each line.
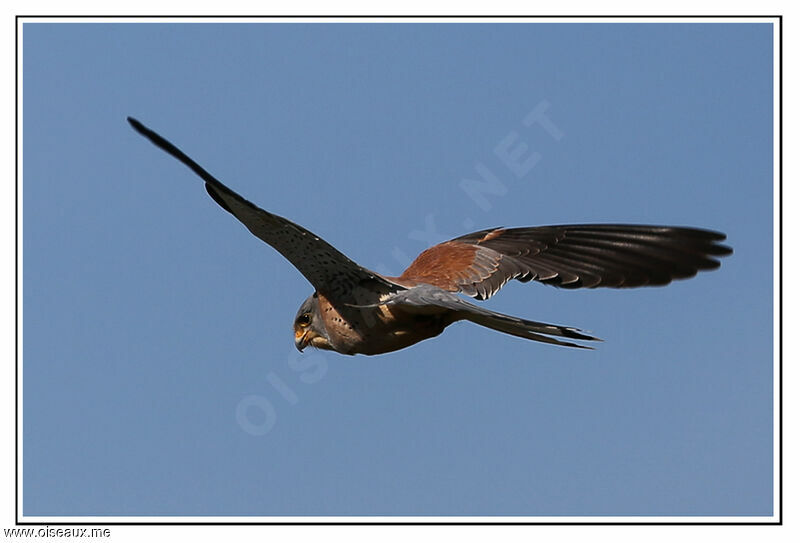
357	311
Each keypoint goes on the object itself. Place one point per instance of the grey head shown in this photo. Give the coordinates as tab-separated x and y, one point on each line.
309	327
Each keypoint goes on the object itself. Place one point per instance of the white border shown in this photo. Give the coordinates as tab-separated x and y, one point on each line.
20	275
522	19
777	391
106	520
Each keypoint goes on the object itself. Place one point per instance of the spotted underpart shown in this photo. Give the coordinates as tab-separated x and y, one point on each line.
380	328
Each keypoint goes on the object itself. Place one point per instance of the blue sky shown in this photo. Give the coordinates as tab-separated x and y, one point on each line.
160	376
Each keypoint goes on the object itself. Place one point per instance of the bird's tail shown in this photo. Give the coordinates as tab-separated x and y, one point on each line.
537	331
427	299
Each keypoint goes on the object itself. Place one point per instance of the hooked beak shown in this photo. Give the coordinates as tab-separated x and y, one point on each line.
301	340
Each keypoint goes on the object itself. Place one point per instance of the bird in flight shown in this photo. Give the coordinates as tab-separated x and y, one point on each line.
357	311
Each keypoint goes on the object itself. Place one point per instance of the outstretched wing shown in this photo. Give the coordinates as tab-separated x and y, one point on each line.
329	271
568	256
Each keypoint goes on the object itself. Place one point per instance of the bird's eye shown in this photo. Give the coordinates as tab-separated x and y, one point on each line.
304	319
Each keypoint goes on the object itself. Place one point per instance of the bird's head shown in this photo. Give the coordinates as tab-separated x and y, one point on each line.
309	329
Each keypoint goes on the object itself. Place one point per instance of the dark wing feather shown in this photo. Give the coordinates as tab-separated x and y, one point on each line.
327	269
568	256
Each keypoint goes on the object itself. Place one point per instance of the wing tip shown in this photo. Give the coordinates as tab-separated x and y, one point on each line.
137	125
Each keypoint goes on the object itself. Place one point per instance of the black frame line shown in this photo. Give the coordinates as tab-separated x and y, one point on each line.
521	18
